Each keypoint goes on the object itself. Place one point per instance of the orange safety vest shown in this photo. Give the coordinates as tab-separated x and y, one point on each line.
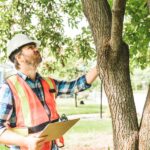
29	110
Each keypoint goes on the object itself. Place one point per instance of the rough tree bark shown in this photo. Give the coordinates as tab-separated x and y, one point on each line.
144	134
148	4
113	65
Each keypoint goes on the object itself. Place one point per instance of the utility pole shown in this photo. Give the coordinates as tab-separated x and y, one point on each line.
101	100
76	105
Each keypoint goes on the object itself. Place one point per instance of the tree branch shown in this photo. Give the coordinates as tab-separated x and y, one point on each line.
118	11
148	4
98	15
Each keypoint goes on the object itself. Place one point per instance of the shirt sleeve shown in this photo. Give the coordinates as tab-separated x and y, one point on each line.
5	106
75	86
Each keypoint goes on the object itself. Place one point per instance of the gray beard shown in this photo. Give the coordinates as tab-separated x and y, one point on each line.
34	63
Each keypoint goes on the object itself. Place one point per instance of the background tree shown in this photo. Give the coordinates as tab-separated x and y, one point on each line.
136	33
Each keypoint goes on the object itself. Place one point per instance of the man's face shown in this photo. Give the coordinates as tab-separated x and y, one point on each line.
31	54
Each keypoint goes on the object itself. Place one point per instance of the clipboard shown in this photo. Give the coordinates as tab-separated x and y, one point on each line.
55	130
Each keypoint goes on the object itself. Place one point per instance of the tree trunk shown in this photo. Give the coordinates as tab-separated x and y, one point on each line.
118	89
148	4
113	65
144	135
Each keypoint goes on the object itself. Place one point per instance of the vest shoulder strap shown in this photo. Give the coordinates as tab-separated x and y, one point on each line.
12	77
51	84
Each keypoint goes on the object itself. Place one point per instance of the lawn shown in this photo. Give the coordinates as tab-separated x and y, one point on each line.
93	125
89	135
67	106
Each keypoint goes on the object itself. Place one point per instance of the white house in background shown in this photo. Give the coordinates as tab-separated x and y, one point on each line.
6	70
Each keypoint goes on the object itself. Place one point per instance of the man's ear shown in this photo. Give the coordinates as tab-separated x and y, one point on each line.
18	57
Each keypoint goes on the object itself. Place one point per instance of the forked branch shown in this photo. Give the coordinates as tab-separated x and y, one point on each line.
118	11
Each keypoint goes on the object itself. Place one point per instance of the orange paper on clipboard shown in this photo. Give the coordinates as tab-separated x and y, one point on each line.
55	130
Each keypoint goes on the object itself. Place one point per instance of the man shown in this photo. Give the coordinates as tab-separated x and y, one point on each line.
28	100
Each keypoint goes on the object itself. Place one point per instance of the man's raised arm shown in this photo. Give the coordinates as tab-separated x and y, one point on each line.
91	75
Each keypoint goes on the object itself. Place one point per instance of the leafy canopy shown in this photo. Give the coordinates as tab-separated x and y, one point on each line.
45	21
137	33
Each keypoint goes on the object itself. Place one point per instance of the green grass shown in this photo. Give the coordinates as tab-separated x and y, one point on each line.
86	109
87	126
68	107
89	134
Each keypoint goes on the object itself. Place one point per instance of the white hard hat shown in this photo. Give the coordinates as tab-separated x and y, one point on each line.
18	41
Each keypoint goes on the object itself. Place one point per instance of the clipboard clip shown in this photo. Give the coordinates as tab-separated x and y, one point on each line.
63	118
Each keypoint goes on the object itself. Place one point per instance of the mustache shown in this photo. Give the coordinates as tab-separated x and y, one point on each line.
36	52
